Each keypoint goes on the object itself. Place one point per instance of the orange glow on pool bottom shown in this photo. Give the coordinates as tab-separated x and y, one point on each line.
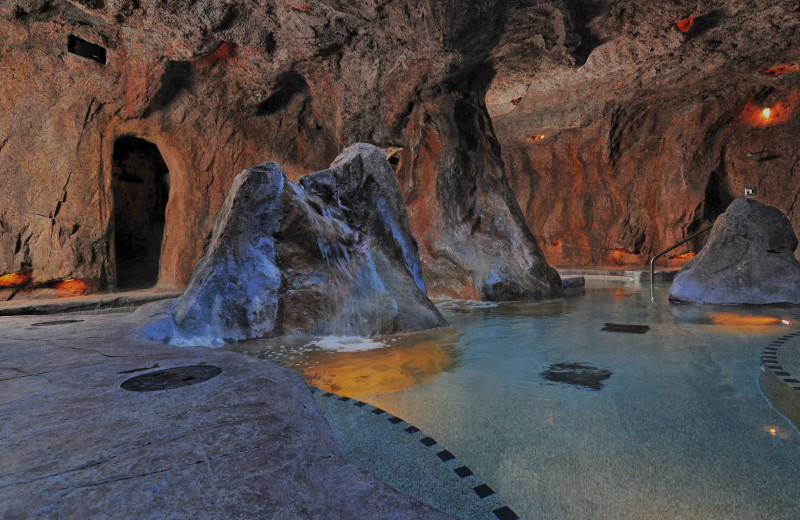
732	318
407	362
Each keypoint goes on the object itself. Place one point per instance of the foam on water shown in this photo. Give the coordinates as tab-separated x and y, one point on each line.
346	343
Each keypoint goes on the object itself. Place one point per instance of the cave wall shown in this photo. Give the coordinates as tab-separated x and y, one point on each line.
649	131
220	86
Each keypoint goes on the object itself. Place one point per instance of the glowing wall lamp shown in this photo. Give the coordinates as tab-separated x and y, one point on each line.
685	24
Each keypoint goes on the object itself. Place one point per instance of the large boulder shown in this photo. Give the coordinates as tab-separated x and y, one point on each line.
748	259
333	255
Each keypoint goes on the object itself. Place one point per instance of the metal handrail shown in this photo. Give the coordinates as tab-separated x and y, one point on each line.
664	252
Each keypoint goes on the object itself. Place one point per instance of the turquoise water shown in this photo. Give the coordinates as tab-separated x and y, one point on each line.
679	429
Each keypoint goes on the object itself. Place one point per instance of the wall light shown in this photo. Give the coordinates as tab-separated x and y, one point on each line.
766	113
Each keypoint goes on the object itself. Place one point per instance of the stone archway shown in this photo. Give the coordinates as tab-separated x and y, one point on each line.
140	184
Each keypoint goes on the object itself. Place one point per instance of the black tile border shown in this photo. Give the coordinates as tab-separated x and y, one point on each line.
769	358
779	386
483	491
442	455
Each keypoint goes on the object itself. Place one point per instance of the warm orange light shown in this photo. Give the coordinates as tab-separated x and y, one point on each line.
537	137
781	69
685	24
685	256
779	111
15	279
772	431
555	243
71	287
731	318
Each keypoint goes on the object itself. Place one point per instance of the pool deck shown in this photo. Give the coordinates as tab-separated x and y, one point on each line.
780	375
100	303
249	443
624	275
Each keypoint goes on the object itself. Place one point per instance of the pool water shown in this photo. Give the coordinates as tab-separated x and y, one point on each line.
567	421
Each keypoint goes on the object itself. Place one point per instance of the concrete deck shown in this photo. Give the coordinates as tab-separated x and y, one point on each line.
249	443
92	303
626	275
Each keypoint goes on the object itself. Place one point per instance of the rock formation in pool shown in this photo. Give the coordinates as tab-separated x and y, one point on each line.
748	259
333	255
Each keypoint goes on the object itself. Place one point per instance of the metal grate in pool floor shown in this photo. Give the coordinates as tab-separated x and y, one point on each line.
626	328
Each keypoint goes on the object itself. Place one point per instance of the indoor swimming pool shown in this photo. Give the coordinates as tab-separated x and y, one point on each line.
660	415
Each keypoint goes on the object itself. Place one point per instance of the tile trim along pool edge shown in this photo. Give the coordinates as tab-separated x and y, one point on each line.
440	453
780	387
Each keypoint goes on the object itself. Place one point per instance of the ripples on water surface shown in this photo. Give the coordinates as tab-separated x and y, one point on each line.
671	423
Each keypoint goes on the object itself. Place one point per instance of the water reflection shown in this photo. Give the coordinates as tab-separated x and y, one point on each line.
356	367
408	361
757	317
525	309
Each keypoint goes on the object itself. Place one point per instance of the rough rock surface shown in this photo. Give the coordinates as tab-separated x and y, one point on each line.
250	443
748	259
649	132
335	257
219	86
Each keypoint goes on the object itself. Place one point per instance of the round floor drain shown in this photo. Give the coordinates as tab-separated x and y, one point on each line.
56	322
171	378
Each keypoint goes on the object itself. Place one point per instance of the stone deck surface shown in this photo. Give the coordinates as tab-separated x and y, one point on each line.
249	443
90	303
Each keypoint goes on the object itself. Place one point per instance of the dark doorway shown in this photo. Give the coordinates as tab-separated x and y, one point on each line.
140	182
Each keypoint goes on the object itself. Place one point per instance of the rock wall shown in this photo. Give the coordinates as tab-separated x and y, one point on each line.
219	86
622	134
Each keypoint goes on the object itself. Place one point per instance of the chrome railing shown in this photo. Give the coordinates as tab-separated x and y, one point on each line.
664	252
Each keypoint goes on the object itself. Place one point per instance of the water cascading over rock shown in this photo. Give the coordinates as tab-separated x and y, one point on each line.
333	255
748	259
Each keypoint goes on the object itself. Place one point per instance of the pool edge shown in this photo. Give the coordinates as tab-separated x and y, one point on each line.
780	387
504	512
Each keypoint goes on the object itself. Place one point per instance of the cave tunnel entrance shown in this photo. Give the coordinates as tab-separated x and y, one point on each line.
140	185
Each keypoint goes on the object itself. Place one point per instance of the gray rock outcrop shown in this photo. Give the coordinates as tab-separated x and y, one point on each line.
333	255
748	259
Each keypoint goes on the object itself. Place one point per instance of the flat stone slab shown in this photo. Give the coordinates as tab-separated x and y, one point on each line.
89	303
248	443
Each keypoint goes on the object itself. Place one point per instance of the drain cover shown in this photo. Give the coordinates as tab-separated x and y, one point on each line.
577	374
171	378
56	322
621	327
